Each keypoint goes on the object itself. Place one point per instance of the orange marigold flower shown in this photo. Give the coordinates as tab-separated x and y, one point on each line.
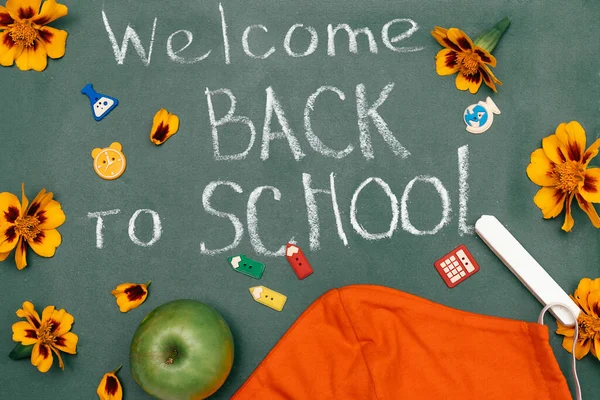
164	126
130	295
24	36
50	334
110	387
470	61
34	224
561	168
587	297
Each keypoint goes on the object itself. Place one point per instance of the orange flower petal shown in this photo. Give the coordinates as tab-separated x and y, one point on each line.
46	242
50	12
67	343
39	202
489	78
5	18
23	9
130	295
591	152
41	357
21	254
24	200
10	210
110	387
540	169
9	50
596	347
54	41
164	126
589	209
569	221
52	216
564	330
582	348
28	311
552	147
550	200
580	296
60	319
441	35
485	56
33	57
24	333
572	136
4	256
460	38
445	62
590	187
469	82
60	360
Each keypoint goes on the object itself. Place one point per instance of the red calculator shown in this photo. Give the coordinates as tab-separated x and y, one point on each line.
456	266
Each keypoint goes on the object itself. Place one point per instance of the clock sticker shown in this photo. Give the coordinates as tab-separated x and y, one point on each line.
109	162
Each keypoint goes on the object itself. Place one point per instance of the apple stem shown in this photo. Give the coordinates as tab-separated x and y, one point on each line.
171	359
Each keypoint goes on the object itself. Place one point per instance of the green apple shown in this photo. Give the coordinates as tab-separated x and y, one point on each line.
183	350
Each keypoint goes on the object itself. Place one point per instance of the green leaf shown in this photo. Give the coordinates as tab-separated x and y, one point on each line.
20	352
489	39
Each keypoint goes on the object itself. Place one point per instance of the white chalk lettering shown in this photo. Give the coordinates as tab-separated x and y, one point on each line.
130	34
463	191
246	46
100	224
313	212
274	106
314	41
173	54
352	33
364	113
389	42
393	203
225	38
252	224
156	230
313	139
445	220
235	221
227	119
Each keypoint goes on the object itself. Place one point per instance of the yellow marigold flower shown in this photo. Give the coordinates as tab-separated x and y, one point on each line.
587	297
560	167
462	56
23	36
50	334
164	126
110	387
34	224
130	295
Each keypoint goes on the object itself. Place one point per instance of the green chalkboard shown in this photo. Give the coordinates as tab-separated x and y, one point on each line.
274	191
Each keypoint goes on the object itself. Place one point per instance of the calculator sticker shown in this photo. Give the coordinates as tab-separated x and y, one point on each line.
268	297
456	266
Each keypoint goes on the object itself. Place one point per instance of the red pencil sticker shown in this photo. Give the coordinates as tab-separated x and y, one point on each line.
298	261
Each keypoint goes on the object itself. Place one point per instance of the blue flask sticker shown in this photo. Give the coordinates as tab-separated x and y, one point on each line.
101	103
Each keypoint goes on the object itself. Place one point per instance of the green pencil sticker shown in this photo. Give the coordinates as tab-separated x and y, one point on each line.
247	266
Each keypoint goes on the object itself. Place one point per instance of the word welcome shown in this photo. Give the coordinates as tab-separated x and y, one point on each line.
287	43
399	212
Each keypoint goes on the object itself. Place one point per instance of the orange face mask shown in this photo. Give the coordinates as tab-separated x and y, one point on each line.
371	342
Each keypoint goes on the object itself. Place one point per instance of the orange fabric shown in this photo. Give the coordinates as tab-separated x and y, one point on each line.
371	342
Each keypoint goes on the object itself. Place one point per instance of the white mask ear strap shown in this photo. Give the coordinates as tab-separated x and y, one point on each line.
574	368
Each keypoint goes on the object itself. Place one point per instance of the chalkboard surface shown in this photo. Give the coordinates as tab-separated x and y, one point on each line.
385	163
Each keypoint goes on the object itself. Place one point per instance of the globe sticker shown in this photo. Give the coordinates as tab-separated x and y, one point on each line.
479	117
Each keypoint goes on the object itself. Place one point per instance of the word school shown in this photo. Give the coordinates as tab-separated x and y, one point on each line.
296	30
399	211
